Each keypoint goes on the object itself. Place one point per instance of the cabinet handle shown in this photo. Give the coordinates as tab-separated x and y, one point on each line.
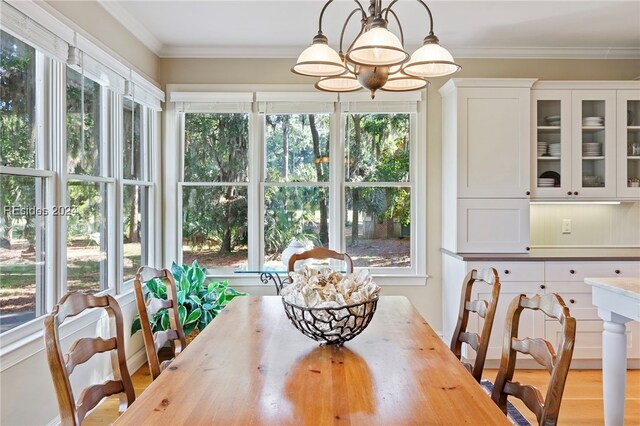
569	193
575	193
506	271
528	192
572	271
617	271
572	300
542	286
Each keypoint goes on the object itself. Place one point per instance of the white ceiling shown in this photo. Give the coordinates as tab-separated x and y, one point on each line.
261	28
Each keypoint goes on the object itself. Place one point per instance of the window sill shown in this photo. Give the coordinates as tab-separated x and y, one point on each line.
253	280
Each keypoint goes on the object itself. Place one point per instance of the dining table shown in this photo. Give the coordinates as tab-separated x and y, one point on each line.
250	366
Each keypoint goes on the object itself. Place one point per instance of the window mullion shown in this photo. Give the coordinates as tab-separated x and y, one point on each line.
255	204
336	179
116	126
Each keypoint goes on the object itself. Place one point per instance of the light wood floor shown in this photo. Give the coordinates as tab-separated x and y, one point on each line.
581	404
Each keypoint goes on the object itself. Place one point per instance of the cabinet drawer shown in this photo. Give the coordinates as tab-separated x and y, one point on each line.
513	271
578	271
579	305
589	338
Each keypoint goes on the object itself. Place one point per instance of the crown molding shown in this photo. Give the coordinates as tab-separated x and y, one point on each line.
257	52
134	26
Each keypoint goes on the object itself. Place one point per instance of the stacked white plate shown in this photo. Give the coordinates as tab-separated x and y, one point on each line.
552	120
546	182
593	121
591	149
542	148
554	149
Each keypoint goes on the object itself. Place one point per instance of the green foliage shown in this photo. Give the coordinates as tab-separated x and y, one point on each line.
198	303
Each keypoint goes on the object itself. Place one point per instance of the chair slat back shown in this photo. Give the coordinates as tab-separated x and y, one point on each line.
485	309
546	409
149	306
62	365
321	253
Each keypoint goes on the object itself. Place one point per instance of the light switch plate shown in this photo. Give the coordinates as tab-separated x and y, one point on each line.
566	226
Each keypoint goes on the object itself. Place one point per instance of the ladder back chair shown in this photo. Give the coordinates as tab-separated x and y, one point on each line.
148	307
484	309
320	253
546	409
61	366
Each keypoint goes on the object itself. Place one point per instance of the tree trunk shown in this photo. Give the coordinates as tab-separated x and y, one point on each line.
133	218
355	192
226	246
285	147
324	225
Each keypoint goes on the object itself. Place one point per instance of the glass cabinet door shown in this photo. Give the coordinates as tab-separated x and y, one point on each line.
594	145
551	165
628	165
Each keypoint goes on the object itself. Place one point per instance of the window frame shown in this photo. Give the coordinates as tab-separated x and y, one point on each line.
52	61
198	94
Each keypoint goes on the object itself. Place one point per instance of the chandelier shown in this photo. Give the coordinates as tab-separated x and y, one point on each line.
375	59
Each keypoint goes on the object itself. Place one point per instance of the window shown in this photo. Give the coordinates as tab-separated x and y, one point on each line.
24	183
89	185
378	190
335	174
296	195
76	157
136	187
215	189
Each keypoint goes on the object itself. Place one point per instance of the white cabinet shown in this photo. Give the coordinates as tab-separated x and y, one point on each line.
486	164
583	139
565	278
628	136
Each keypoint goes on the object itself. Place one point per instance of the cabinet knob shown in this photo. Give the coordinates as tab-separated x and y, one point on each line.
569	193
572	271
617	271
506	271
542	286
528	192
575	193
572	300
528	248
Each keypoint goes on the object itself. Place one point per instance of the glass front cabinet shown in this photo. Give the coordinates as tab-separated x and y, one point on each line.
585	143
628	135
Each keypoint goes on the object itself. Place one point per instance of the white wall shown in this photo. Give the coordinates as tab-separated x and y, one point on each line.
591	225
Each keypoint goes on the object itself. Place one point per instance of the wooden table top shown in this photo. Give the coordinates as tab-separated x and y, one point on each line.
251	366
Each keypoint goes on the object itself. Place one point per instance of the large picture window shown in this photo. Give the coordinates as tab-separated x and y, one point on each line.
327	173
214	190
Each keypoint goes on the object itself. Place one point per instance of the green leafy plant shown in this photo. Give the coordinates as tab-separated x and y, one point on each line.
198	303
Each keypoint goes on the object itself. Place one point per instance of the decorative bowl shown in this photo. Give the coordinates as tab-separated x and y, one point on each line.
332	326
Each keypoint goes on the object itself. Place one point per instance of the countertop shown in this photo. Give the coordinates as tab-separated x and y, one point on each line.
627	286
556	254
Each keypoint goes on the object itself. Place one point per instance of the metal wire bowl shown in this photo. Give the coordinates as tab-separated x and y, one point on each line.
332	326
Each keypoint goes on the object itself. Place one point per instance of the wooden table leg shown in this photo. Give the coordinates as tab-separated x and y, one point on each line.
614	366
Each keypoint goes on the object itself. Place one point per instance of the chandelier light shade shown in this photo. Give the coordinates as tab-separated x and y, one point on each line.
319	60
431	60
341	83
376	59
377	47
404	83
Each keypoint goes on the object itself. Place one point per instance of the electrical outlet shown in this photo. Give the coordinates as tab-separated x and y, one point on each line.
566	226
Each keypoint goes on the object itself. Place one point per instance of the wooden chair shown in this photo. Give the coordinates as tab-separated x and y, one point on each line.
486	310
547	409
82	350
321	253
153	342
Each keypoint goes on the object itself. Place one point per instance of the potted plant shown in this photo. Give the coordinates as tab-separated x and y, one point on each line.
198	303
